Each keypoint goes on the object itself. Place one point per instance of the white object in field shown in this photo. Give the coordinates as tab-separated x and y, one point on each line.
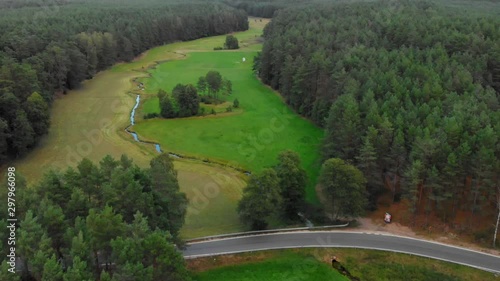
244	59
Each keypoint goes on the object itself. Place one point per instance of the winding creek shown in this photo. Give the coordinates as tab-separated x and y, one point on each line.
136	136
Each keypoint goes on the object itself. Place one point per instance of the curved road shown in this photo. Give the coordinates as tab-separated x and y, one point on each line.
345	239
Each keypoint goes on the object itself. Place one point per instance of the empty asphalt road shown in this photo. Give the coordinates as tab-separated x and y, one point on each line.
344	239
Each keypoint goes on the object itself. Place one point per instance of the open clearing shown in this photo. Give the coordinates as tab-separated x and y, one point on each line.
306	263
89	122
250	138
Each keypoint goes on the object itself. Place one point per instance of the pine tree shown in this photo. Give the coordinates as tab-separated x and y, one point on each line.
344	188
167	109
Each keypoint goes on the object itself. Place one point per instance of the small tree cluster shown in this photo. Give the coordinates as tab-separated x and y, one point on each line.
187	102
274	192
213	84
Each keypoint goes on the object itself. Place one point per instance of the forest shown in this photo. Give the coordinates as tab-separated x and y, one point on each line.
111	221
49	47
263	8
407	91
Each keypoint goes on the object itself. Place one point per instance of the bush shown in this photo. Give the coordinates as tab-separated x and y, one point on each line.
231	43
236	103
229	109
151	115
206	99
218	48
213	112
201	111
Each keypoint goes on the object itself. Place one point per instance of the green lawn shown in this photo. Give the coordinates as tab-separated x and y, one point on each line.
250	138
283	267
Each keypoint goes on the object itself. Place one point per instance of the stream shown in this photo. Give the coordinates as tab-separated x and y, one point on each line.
134	134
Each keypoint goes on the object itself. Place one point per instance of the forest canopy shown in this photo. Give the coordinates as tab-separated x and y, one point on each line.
112	221
408	91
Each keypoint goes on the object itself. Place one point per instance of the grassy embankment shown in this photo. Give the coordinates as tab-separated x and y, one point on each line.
314	264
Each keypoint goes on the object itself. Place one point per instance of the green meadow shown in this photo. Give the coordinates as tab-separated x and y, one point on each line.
249	138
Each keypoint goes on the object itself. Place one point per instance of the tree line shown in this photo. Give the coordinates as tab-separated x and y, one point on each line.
263	8
49	48
407	91
278	193
112	221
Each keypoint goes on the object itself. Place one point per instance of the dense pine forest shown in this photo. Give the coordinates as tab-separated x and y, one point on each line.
112	221
48	47
264	8
408	91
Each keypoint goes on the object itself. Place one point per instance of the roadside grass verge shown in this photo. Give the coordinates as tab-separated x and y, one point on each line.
363	264
276	267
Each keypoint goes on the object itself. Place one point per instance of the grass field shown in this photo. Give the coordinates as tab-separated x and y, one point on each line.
314	264
250	138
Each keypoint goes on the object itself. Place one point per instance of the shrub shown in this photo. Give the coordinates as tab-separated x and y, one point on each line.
231	42
201	112
229	109
206	99
151	115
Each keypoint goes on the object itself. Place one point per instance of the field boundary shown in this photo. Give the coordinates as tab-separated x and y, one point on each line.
270	231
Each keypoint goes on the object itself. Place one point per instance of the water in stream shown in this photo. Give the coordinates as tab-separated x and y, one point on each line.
132	123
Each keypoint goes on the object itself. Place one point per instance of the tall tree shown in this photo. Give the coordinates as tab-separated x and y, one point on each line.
167	109
52	270
188	101
24	136
344	188
260	199
201	85
170	203
37	112
103	226
214	82
292	181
